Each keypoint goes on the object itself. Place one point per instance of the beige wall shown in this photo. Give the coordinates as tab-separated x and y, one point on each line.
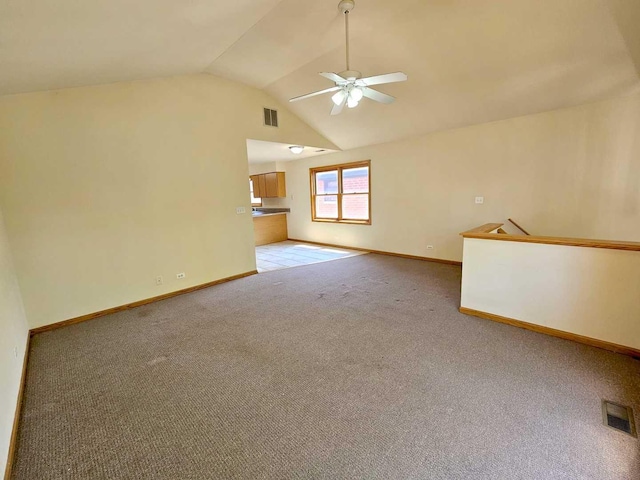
587	291
104	188
13	340
571	172
265	167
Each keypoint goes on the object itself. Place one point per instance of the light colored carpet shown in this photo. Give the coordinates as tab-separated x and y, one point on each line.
355	368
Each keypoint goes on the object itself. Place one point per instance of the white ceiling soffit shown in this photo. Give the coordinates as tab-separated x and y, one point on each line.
51	44
259	151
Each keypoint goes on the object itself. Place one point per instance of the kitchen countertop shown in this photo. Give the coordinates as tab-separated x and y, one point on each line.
266	211
263	214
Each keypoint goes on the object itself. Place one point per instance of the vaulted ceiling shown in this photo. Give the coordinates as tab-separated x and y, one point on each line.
468	61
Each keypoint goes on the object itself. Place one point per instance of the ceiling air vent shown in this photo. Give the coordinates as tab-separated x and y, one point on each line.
618	417
270	117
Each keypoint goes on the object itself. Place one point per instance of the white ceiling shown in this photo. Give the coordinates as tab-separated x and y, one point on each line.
51	44
468	61
259	151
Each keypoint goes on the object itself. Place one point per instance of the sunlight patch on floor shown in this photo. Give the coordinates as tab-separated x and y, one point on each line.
276	256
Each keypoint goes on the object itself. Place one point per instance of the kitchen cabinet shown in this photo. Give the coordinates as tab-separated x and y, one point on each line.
269	185
263	185
270	228
259	185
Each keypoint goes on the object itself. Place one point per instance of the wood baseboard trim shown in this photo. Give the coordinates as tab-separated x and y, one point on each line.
613	347
91	316
380	252
16	419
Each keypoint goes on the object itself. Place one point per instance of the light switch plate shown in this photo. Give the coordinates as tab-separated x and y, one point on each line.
479	200
240	210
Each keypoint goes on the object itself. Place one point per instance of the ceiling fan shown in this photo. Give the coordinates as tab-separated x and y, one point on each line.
350	87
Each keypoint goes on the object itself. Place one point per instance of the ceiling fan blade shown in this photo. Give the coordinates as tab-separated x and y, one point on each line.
380	79
337	109
308	95
377	96
334	77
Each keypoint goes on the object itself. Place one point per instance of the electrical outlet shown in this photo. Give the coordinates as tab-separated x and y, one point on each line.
158	280
479	200
429	247
240	210
180	276
15	352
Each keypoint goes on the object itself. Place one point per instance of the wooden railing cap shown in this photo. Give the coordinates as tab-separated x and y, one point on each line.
482	232
486	228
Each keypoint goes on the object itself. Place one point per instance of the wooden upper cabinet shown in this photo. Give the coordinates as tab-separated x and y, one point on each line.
263	185
272	184
255	179
282	187
269	185
254	183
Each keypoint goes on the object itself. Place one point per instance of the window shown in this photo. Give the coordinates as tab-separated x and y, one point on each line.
341	193
255	202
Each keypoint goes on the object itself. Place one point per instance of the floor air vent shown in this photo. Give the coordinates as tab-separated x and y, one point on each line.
619	417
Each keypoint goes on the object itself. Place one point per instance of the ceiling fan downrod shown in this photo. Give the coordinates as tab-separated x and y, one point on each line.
345	6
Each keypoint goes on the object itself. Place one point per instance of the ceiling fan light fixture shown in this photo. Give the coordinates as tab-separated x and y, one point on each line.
349	85
296	149
356	93
338	98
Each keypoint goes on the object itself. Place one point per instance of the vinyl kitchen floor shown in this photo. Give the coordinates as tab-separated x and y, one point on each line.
275	256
